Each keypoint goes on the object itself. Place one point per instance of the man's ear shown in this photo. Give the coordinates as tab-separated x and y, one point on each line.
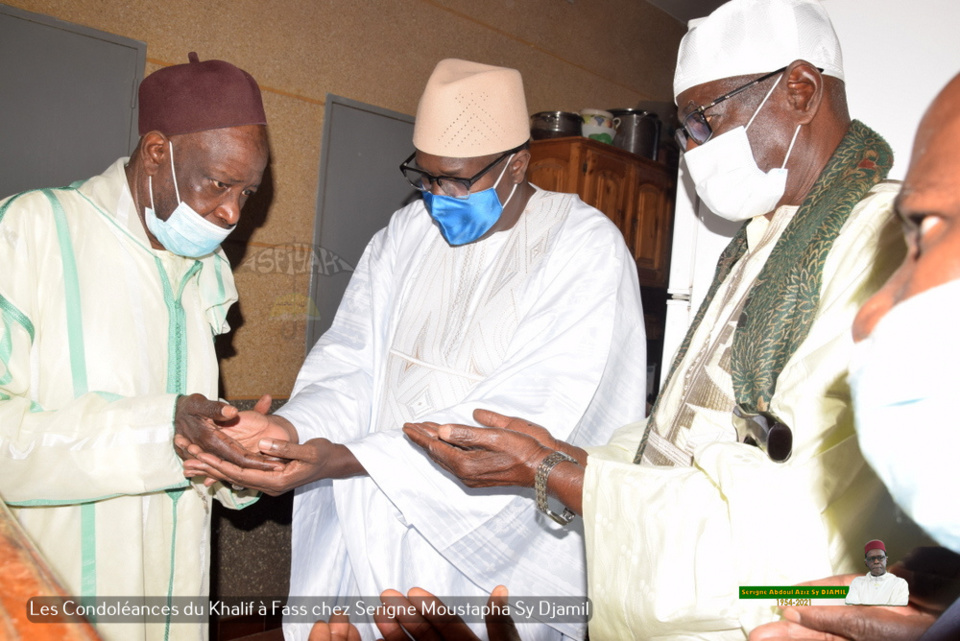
518	166
153	152
804	90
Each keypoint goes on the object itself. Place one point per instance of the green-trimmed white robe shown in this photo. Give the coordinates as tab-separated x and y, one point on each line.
99	333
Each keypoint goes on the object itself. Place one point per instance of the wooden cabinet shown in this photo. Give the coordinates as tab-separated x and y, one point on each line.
636	193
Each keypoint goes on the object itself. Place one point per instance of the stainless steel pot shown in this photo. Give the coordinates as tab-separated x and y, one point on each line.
639	132
554	124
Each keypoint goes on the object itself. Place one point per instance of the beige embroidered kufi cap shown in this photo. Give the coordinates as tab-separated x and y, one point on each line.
470	109
748	37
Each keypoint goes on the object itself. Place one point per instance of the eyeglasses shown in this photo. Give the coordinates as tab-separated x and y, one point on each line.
450	185
695	126
872	559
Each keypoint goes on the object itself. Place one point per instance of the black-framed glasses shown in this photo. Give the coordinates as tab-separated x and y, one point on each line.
450	185
874	559
695	126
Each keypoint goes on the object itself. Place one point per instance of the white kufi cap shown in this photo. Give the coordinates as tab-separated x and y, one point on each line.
470	109
749	37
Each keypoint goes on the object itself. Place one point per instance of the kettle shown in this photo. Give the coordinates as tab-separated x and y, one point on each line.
639	132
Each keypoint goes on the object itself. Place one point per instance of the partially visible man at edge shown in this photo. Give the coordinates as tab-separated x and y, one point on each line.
487	292
678	511
110	294
904	374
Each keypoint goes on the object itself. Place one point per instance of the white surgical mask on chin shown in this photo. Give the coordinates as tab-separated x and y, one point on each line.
727	177
905	381
184	232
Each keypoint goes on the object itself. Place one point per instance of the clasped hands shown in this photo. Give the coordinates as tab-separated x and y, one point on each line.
258	451
248	449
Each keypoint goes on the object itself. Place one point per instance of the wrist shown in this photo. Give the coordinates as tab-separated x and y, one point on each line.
341	461
578	454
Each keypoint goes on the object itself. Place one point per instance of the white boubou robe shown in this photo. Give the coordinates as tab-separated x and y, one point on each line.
541	321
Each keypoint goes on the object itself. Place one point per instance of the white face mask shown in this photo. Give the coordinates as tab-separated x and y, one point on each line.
727	177
905	383
184	232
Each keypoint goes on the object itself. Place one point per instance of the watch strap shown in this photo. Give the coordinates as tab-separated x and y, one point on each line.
540	485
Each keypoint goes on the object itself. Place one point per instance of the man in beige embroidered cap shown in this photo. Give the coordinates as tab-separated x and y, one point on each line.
488	292
111	291
683	508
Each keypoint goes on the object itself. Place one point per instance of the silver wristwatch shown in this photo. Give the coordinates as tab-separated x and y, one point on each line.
540	485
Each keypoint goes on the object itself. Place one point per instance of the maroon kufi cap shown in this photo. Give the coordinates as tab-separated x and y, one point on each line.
875	544
197	96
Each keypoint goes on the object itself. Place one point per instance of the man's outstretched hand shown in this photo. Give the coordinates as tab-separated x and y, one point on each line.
506	451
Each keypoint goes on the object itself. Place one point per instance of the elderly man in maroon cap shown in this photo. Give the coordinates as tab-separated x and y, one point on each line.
110	294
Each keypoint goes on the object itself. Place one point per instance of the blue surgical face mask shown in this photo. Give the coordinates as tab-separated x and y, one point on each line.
464	220
904	381
184	232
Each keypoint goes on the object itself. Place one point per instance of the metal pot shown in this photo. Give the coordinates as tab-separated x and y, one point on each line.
554	124
639	132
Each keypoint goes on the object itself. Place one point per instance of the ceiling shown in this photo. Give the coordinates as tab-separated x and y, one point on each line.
684	10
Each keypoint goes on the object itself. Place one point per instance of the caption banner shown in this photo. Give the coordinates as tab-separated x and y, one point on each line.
302	609
793	591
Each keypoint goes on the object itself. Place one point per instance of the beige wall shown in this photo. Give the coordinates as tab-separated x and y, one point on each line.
572	54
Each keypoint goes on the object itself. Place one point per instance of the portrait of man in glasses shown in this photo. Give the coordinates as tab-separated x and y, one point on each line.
487	292
877	587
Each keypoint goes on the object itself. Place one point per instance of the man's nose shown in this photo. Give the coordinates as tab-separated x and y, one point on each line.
229	212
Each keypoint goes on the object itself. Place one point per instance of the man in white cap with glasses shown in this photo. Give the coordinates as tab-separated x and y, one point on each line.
488	292
747	471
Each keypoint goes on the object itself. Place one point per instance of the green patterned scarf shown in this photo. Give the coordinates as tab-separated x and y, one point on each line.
783	302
